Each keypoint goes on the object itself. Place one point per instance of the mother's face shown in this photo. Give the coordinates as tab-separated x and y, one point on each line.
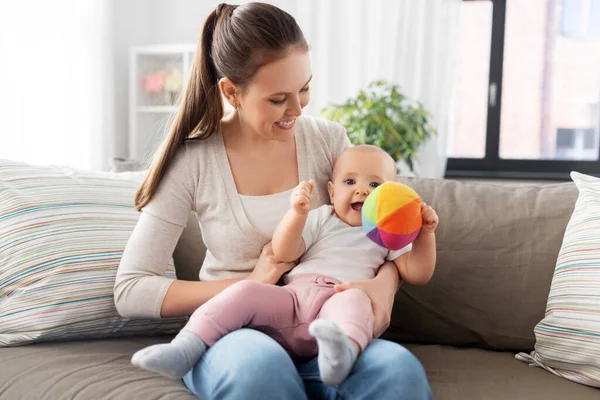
276	96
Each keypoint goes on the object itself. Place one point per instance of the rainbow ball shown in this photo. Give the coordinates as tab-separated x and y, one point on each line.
391	215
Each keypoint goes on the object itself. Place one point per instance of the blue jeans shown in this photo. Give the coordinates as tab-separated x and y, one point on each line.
247	364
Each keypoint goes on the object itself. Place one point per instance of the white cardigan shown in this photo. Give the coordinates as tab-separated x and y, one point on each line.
200	179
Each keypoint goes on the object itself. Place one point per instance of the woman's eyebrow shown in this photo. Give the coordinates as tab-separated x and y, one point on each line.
286	93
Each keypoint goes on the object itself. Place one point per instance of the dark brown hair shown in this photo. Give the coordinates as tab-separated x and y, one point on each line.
235	42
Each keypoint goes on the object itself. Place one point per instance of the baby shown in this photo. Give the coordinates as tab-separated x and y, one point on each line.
307	316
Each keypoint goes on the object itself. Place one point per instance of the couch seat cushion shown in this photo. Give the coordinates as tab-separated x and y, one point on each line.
468	373
90	369
100	369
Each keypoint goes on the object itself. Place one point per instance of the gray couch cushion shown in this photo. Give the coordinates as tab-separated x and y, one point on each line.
190	250
464	374
100	369
497	249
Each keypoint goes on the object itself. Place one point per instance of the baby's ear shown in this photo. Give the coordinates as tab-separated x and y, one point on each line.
330	190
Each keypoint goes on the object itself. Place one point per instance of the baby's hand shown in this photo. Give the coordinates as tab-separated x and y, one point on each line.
301	196
430	218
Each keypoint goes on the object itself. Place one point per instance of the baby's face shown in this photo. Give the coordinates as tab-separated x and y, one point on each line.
357	174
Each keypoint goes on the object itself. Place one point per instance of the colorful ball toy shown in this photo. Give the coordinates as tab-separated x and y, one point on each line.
391	215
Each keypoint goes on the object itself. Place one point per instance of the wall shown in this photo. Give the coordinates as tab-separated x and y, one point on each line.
180	21
147	22
134	21
423	40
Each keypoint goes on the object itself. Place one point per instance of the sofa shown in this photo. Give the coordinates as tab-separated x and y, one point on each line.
497	249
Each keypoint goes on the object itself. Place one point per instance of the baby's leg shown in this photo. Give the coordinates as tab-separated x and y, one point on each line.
245	303
343	330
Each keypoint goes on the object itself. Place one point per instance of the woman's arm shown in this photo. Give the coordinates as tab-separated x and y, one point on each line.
183	297
388	278
140	284
141	290
381	290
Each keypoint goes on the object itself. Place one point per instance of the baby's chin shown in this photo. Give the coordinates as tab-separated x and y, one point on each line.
349	221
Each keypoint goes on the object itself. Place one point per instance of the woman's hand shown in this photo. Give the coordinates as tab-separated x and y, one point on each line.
269	269
381	290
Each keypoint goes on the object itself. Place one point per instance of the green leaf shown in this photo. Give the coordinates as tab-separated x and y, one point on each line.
383	116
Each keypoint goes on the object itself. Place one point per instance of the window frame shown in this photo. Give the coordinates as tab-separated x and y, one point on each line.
492	165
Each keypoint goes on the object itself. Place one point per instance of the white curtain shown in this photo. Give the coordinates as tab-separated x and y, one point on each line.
412	43
57	84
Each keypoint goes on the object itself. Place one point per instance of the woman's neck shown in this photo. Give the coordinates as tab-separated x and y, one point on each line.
237	135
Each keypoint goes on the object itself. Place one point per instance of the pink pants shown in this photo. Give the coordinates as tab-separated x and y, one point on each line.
284	312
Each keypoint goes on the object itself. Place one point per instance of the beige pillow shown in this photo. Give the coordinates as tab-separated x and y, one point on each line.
568	337
63	234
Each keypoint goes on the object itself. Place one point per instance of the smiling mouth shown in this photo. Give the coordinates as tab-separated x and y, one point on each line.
357	206
287	124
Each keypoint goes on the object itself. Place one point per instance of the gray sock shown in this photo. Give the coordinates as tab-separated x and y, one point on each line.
337	354
173	359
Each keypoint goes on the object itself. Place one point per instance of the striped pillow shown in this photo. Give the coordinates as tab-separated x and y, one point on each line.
62	234
568	338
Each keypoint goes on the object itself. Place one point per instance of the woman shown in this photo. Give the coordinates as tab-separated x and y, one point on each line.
236	173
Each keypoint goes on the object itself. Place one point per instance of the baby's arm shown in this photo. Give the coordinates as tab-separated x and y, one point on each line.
416	267
288	244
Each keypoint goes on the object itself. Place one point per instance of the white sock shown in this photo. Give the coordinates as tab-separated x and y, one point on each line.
173	359
337	353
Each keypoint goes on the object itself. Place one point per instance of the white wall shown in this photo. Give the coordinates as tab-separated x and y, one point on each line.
180	21
412	47
133	24
147	22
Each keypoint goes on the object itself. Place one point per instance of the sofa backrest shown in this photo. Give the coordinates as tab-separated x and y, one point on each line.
497	249
190	250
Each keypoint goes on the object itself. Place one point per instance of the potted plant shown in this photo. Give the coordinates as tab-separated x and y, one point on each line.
384	117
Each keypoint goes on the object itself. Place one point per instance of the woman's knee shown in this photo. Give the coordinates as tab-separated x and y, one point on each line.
245	364
393	366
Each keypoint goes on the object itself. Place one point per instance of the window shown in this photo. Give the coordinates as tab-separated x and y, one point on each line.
527	89
580	18
56	105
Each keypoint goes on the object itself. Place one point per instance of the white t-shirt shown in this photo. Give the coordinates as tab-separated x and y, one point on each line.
264	212
339	250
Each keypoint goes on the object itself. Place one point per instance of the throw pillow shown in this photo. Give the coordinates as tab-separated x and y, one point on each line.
62	234
568	337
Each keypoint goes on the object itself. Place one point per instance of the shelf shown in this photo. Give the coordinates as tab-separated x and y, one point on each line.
150	114
156	109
